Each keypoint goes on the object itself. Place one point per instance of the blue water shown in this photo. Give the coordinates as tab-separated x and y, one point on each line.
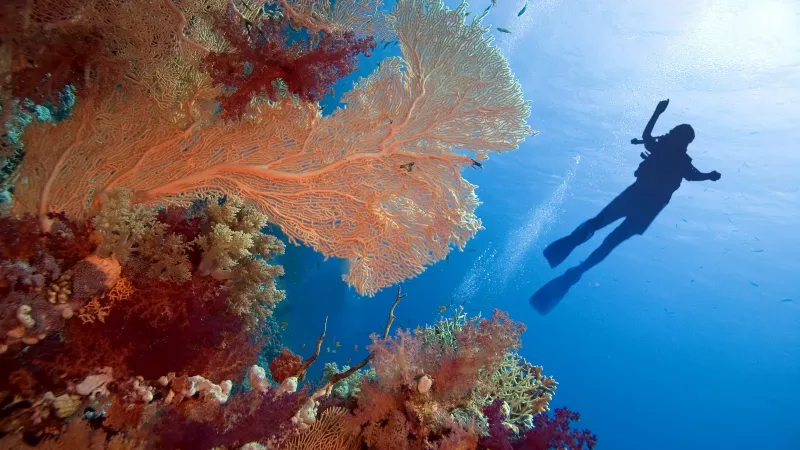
683	338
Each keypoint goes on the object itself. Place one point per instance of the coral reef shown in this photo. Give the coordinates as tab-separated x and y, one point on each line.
411	400
149	142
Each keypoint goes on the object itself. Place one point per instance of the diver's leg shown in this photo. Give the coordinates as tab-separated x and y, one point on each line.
617	209
558	251
622	233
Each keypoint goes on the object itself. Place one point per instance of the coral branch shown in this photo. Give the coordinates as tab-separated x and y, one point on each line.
301	373
335	378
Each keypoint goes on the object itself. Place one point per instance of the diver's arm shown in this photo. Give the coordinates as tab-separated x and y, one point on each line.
647	134
696	175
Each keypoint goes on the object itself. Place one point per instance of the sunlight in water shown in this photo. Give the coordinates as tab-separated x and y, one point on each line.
745	34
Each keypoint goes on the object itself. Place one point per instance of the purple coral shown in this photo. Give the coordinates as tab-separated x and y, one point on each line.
548	433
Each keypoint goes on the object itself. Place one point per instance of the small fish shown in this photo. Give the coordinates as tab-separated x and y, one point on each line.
327	349
443	308
485	12
488	7
338	344
355	347
471	250
476	164
522	11
387	44
758	250
503	30
786	300
332	92
303	346
407	166
494	2
348	360
754	284
467	14
318	266
283	325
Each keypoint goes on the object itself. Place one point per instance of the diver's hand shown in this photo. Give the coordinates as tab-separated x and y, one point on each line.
662	106
714	176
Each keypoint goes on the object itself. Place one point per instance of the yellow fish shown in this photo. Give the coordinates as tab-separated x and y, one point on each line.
303	346
443	308
338	344
355	347
283	324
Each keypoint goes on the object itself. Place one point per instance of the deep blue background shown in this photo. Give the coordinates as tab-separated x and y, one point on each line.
684	338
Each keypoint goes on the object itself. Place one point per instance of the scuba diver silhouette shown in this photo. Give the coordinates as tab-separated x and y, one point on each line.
665	164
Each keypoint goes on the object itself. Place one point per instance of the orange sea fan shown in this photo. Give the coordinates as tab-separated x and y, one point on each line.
334	182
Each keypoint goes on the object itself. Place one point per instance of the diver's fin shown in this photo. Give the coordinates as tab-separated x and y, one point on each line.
549	295
558	251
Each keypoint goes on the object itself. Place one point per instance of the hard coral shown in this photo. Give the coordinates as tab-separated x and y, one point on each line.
261	58
94	275
522	386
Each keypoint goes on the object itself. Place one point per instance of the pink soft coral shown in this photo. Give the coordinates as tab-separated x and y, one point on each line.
455	357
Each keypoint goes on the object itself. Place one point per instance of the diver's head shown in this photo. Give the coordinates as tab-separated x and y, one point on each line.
683	134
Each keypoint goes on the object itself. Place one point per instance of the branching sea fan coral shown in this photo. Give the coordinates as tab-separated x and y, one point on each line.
333	182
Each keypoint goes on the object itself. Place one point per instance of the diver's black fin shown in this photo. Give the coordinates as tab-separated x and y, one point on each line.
558	251
551	294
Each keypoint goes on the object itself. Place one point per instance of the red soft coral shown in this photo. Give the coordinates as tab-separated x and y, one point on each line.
19	237
54	44
262	55
251	417
285	365
162	327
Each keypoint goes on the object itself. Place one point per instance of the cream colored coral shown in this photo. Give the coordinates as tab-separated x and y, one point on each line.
61	289
66	405
523	388
24	316
235	249
129	231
